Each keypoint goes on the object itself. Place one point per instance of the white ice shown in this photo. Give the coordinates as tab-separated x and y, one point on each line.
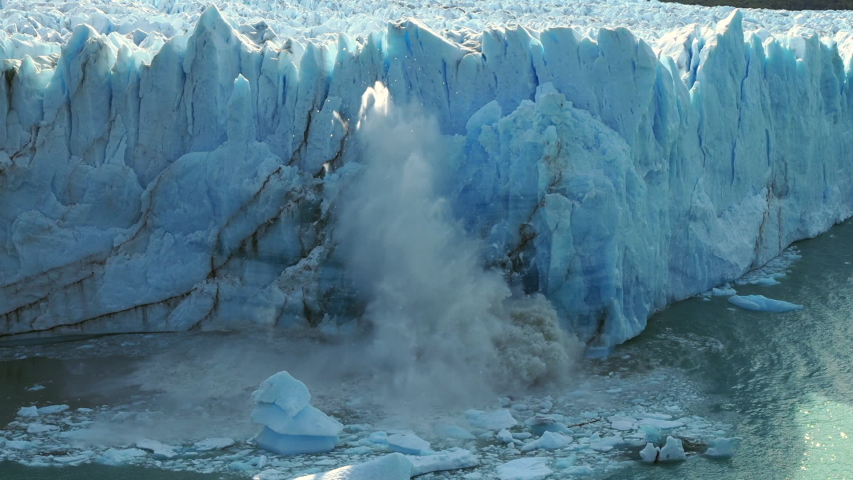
672	451
494	420
722	447
548	441
760	303
291	425
530	468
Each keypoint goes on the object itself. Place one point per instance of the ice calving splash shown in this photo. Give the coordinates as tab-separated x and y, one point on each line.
441	321
609	416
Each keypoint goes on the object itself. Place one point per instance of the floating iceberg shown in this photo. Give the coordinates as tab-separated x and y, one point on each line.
649	453
723	447
672	451
760	303
390	467
291	425
531	468
548	441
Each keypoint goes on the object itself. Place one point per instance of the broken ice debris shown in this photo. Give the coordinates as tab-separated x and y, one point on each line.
649	453
548	441
672	451
722	447
531	468
408	443
452	460
291	425
390	467
28	411
540	424
496	420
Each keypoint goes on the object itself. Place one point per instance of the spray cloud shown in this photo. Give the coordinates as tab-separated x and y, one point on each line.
444	327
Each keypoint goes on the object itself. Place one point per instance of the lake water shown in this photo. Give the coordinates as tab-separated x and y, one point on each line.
783	382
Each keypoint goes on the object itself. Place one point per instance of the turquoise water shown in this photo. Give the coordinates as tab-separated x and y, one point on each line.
784	382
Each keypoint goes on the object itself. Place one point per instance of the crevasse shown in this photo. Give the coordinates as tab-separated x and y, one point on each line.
196	188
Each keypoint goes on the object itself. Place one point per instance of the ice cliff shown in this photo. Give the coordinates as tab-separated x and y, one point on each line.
192	183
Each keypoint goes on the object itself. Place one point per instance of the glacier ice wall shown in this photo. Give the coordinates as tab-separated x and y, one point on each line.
196	187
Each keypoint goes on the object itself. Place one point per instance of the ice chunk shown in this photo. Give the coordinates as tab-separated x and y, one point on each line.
20	444
531	468
408	443
294	444
760	303
672	451
291	425
378	437
623	425
115	456
51	409
540	424
395	466
579	470
309	421
604	444
723	291
652	433
548	441
454	431
566	462
505	436
661	424
722	447
285	391
213	444
495	420
649	453
161	451
28	411
41	428
452	460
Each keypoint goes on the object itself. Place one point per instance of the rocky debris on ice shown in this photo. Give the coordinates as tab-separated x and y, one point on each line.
291	425
760	303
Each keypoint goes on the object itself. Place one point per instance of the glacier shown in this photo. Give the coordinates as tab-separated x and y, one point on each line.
192	180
